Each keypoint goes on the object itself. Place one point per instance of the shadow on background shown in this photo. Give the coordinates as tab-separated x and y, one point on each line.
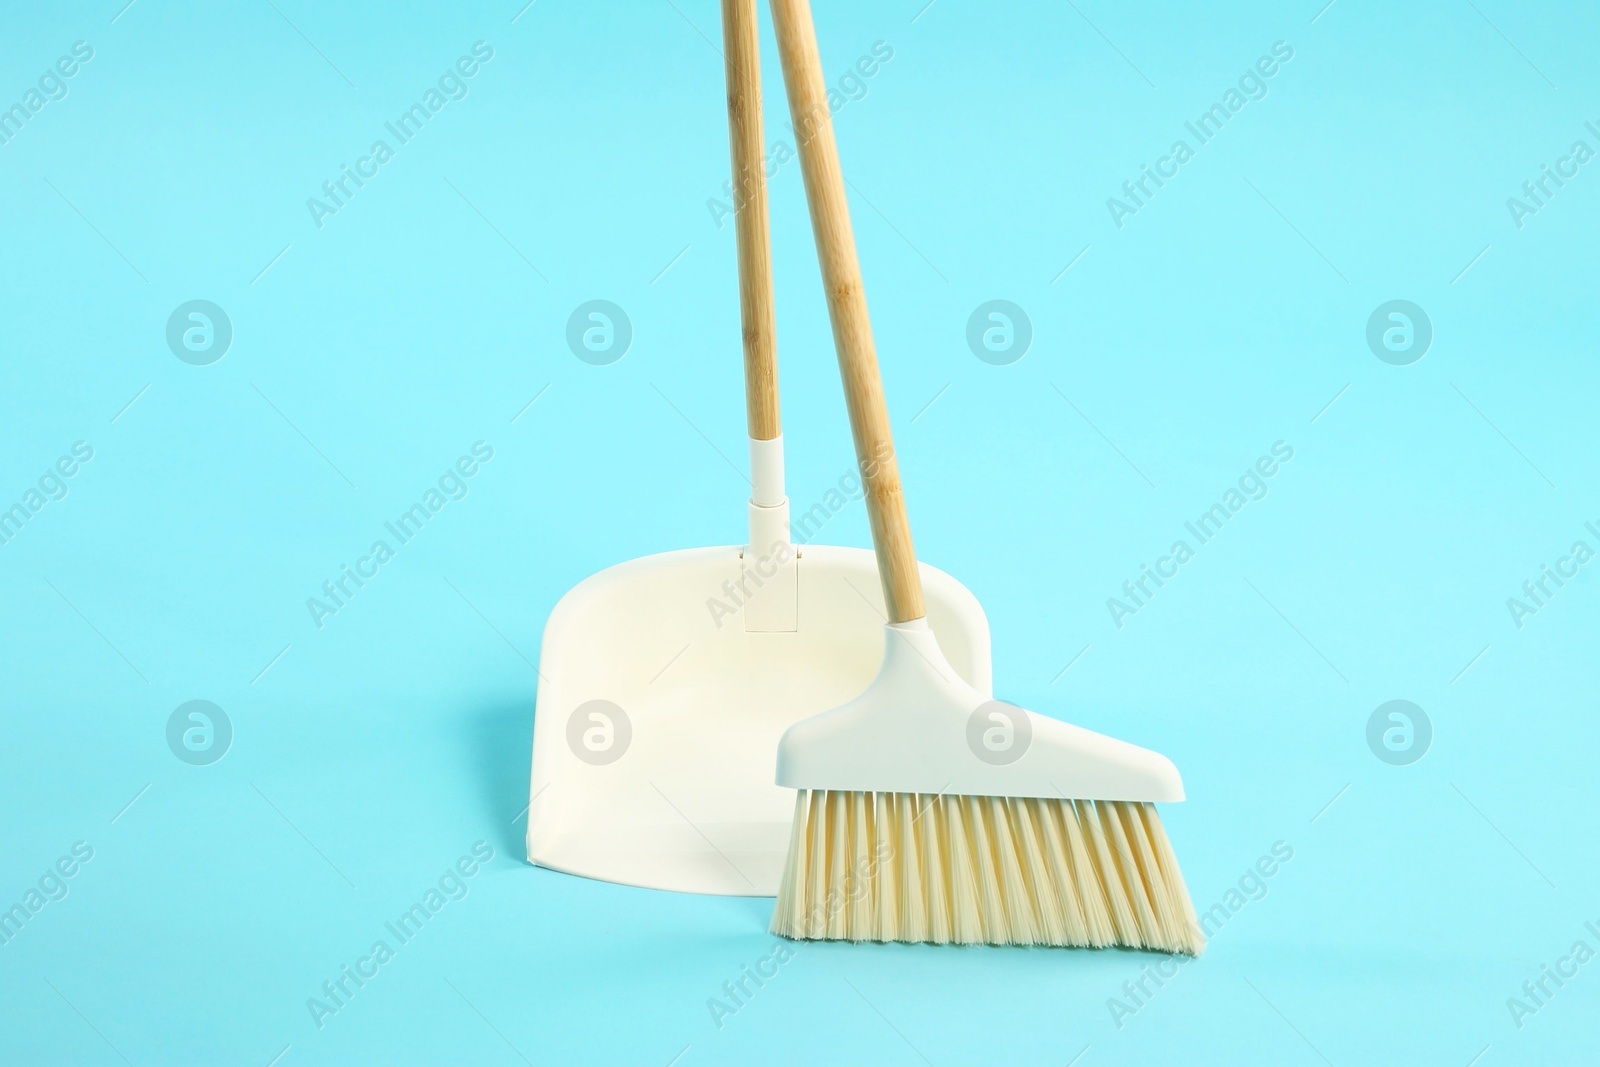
500	745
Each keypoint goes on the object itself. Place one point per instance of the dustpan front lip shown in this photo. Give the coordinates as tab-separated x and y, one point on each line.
667	884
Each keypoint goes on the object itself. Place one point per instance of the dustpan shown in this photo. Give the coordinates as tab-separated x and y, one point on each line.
666	682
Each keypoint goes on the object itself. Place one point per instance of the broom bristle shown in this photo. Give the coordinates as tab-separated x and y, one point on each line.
974	869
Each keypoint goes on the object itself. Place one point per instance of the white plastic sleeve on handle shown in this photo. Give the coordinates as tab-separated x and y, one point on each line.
775	607
766	472
769	507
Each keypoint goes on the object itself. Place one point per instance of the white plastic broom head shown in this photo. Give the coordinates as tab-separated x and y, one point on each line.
920	729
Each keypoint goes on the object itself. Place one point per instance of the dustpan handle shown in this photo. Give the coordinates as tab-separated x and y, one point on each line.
847	308
742	51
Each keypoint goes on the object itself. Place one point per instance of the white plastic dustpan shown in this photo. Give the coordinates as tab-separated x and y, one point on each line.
666	682
656	730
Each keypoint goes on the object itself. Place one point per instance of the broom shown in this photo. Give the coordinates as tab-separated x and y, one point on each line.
926	812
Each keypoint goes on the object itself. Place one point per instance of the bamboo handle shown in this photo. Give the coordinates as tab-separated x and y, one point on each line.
847	308
742	53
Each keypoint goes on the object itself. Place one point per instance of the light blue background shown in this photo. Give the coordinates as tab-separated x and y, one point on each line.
1223	317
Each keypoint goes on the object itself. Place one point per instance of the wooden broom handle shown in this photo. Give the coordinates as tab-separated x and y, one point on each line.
742	54
847	308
